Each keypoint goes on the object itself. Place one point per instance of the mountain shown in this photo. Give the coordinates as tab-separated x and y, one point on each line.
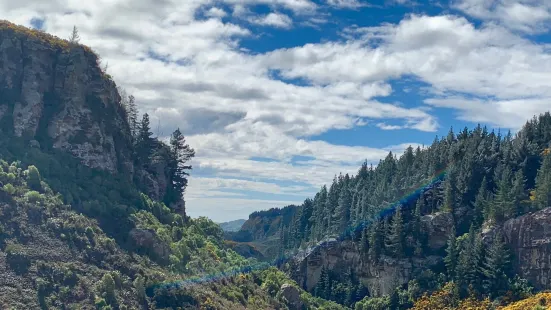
232	225
92	212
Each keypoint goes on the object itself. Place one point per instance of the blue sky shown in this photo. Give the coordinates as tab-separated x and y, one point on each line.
278	96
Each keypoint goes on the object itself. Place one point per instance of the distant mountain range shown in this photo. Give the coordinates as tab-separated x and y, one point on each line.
232	225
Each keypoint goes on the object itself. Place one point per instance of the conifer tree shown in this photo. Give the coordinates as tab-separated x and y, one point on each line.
364	241
396	237
376	241
502	204
450	195
481	203
180	154
132	114
497	267
542	192
518	194
145	143
451	254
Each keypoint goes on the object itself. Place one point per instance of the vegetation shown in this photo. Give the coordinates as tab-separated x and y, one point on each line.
481	178
60	258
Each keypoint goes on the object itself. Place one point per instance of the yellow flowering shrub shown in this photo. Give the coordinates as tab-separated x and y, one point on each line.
444	300
543	300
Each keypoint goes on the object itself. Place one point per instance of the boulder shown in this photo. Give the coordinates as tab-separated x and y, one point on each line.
291	295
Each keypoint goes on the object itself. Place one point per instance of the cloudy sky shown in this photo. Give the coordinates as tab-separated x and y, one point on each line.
278	96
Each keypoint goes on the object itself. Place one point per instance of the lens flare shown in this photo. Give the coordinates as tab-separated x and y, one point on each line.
406	199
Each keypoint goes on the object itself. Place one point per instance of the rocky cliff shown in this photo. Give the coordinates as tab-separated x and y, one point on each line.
379	277
54	93
529	238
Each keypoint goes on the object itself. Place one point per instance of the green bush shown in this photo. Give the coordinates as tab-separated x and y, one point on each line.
17	258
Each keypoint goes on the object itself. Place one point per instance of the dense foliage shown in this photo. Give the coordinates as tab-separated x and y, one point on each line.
484	176
481	178
57	258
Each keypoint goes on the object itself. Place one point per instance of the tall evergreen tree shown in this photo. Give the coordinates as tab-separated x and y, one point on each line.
396	236
132	114
542	197
180	154
502	205
481	203
497	267
376	240
145	143
451	258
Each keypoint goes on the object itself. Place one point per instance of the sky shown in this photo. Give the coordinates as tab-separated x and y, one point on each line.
278	96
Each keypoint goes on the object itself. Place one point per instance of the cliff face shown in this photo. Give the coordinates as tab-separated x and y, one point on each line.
57	95
529	237
381	276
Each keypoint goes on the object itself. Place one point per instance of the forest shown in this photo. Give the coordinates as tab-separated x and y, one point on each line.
482	178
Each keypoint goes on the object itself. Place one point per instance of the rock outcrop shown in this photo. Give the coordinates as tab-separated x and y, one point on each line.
147	241
55	93
291	295
437	227
381	276
529	238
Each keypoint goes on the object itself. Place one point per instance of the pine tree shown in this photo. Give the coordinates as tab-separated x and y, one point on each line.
468	266
179	156
451	255
145	143
396	236
132	113
542	192
518	194
376	241
418	233
481	203
75	37
497	267
502	205
342	212
450	195
364	241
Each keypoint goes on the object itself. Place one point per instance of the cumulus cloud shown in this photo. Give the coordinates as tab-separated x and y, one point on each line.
530	16
234	105
277	20
347	4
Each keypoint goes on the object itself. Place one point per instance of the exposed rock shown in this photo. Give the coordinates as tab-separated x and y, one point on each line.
381	276
437	226
291	295
57	93
338	256
529	237
146	240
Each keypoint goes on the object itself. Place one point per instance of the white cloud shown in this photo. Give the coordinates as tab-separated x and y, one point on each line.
530	16
277	20
216	12
384	126
347	4
232	107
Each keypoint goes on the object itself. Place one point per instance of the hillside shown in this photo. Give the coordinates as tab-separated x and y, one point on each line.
232	225
433	215
92	208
